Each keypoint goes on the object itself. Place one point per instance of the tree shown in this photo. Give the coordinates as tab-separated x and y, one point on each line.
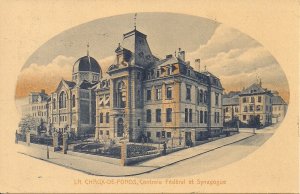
29	122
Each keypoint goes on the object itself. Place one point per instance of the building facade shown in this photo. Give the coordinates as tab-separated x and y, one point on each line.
279	109
37	106
72	106
144	97
254	101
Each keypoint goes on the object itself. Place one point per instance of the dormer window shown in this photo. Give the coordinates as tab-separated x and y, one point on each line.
148	75
157	73
169	70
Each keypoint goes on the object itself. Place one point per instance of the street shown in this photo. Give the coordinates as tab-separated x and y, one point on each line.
211	160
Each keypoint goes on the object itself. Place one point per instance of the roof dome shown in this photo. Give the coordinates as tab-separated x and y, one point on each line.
86	63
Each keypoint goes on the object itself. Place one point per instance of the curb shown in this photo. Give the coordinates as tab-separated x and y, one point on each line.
135	174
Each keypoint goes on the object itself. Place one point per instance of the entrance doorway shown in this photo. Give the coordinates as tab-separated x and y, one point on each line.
188	138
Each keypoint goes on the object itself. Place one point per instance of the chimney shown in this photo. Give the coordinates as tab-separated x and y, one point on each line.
181	54
43	91
260	83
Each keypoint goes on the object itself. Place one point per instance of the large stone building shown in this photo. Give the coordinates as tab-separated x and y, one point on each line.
37	106
254	101
156	99
140	96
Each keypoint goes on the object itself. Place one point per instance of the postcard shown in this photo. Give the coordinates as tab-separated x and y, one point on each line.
149	96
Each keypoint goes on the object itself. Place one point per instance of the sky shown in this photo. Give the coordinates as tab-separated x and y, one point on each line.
237	59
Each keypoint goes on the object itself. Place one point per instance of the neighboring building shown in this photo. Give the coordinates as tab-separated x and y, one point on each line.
145	97
37	106
72	106
254	101
279	108
231	108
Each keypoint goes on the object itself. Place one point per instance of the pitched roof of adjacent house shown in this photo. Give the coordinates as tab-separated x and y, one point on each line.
254	89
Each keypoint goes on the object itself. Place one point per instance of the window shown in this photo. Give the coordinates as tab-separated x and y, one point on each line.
148	134
245	109
121	95
226	109
188	92
157	134
148	95
101	132
186	115
157	73
158	93
252	99
158	115
198	116
101	118
244	99
244	117
54	103
168	134
205	116
201	116
205	97
107	132
148	75
169	115
201	96
217	99
215	117
169	92
107	117
62	100
139	122
169	70
259	98
251	108
73	101
267	108
218	117
191	115
148	116
163	134
236	109
138	76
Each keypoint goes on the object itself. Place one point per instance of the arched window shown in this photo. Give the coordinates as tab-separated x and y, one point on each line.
62	100
54	103
107	117
121	95
73	100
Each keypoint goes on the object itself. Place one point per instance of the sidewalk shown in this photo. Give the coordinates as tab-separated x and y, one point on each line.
111	170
